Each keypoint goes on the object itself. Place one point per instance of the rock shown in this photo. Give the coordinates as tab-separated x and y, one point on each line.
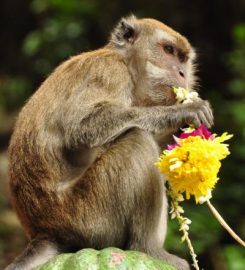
106	259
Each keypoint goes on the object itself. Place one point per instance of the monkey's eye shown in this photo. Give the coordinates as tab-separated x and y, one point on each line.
169	49
182	57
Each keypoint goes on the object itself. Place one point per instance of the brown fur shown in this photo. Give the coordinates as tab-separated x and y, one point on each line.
82	153
181	42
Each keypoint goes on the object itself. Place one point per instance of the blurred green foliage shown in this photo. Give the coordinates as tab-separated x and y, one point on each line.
13	92
63	29
46	32
235	258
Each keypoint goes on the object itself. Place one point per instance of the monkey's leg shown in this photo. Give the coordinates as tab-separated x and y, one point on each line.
152	247
38	251
149	222
162	254
151	241
156	238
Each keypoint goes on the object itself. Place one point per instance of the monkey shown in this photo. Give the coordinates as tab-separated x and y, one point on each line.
82	153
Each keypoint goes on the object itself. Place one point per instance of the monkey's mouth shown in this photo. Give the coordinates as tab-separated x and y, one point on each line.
169	97
167	86
173	86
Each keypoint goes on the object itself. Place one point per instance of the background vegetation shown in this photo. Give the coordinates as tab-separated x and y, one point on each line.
37	35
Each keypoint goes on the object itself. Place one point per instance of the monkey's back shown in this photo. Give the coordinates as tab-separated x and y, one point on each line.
36	150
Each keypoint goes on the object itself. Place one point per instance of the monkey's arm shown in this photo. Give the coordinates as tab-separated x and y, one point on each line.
104	121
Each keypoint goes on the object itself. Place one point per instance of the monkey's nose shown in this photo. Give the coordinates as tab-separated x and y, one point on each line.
181	74
178	70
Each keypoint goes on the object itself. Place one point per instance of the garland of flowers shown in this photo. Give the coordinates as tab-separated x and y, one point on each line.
191	166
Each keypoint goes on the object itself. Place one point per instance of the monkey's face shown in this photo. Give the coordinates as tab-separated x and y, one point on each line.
164	58
169	60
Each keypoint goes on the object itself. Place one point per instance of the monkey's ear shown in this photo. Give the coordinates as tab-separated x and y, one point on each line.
125	32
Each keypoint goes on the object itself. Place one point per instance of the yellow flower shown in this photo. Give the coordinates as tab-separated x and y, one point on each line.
184	96
192	166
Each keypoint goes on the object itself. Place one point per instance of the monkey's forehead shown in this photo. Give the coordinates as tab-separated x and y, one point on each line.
166	33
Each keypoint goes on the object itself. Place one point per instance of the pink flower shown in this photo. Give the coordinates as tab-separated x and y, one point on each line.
202	131
171	146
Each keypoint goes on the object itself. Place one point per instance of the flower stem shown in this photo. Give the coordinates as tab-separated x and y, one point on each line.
176	212
224	224
188	240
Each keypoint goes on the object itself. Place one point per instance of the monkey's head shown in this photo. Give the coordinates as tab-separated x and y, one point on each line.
160	55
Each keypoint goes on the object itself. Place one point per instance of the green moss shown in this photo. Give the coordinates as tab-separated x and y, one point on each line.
109	258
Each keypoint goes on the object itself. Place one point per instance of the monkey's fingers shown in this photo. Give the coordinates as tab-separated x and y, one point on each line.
206	114
210	116
193	120
205	119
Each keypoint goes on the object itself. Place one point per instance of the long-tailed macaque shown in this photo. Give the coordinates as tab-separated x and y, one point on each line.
82	154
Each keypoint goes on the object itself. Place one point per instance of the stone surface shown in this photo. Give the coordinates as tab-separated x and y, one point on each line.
106	259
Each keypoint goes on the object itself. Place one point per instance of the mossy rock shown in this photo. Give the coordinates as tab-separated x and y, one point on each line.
108	258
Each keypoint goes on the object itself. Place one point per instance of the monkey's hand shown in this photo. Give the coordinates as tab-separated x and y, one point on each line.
158	119
196	113
192	114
